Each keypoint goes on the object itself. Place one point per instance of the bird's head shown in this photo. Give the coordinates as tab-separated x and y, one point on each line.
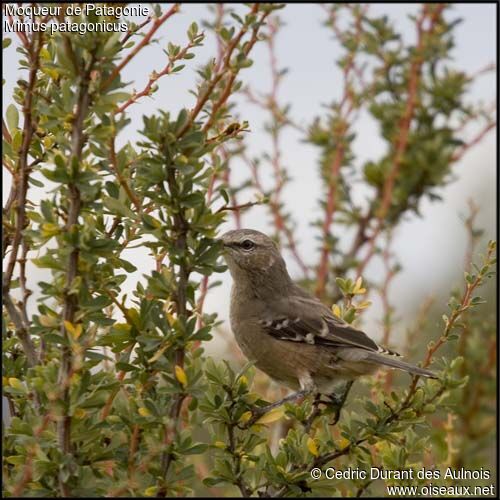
250	253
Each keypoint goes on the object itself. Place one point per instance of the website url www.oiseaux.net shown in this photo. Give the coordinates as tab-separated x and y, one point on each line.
431	490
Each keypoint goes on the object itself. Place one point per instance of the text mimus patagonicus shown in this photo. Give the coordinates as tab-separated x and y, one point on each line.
289	334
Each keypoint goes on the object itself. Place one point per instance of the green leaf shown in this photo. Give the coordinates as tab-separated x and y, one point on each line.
117	207
192	31
115	98
12	117
182	118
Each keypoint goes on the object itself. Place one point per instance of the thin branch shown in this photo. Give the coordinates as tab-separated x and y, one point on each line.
226	92
131	32
473	142
204	96
270	104
28	466
158	22
22	167
465	303
26	292
403	128
70	301
5	132
390	273
8	167
20	34
345	109
472	234
245	491
181	231
238	208
276	212
18	194
21	331
154	77
123	182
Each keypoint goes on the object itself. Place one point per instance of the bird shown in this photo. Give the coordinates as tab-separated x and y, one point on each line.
288	333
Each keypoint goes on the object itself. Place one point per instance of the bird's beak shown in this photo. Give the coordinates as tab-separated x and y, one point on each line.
222	242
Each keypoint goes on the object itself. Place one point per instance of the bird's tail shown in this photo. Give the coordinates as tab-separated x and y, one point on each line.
375	357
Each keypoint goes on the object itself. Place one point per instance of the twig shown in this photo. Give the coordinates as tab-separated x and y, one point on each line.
21	331
245	491
278	216
362	489
18	194
226	92
114	166
477	139
153	78
471	233
181	231
403	129
131	32
134	442
22	168
390	273
70	301
28	466
450	323
238	208
337	160
5	132
8	167
20	34
270	104
23	283
157	23
203	97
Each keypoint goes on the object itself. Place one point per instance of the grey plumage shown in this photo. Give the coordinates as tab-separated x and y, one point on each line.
291	335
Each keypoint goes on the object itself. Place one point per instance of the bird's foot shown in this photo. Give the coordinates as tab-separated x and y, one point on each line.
337	402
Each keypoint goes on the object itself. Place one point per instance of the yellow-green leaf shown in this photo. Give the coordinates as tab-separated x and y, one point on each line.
336	310
180	375
311	446
48	321
49	229
364	305
158	353
171	319
16	384
143	412
80	413
74	330
246	417
358	284
271	416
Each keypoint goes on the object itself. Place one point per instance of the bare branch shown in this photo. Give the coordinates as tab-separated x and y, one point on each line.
404	126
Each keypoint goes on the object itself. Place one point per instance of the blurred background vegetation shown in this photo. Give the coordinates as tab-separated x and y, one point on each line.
119	378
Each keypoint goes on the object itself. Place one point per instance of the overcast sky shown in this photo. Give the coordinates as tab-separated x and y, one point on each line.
434	242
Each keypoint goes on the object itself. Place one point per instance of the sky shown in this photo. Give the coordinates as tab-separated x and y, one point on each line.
435	242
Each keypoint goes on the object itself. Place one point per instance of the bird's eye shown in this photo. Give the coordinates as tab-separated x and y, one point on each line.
247	244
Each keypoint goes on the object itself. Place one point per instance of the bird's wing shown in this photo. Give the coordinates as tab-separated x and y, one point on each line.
306	320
